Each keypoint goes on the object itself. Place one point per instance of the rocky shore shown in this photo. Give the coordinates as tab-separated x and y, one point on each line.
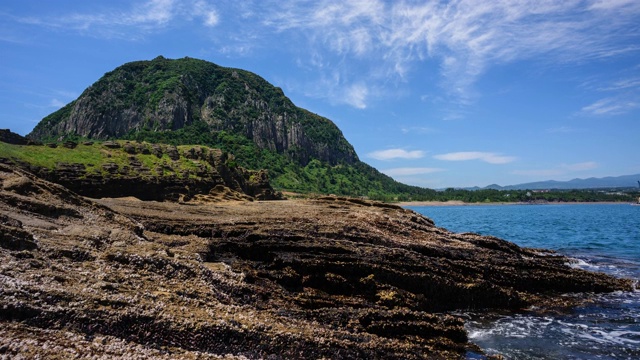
326	278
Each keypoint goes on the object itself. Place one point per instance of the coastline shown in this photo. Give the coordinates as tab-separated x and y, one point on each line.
462	203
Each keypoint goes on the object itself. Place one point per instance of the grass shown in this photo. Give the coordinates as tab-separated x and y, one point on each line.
93	157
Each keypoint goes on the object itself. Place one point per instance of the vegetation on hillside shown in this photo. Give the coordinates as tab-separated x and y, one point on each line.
95	159
195	102
319	177
165	95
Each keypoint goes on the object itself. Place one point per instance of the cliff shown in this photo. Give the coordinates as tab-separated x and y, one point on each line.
145	171
195	102
328	278
164	94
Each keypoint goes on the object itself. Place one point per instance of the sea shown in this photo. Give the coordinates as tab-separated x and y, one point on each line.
598	237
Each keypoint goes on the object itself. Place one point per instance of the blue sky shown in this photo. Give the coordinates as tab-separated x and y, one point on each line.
432	93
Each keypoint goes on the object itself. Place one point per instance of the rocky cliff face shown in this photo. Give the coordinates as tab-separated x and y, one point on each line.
152	172
12	138
330	278
164	94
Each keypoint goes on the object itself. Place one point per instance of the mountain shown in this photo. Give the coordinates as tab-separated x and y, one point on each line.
189	101
625	181
165	94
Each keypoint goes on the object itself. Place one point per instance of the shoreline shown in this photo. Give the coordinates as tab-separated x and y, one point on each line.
462	203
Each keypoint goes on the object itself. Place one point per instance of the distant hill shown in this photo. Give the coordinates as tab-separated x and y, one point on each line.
625	181
189	101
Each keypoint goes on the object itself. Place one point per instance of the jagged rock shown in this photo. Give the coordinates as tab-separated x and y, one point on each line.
292	279
12	138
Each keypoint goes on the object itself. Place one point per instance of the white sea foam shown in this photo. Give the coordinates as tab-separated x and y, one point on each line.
581	264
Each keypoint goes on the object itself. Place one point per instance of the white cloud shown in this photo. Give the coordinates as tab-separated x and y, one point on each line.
418	130
356	96
153	12
466	37
488	157
207	12
407	171
396	154
132	23
56	103
611	106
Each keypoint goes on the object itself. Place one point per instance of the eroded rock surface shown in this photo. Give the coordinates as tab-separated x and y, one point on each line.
184	174
327	278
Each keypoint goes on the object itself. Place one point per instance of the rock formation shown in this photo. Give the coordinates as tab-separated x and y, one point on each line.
12	138
328	278
163	94
173	174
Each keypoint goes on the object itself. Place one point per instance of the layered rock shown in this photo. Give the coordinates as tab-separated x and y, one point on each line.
329	278
178	175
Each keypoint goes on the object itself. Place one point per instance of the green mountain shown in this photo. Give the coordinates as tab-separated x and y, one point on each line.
191	101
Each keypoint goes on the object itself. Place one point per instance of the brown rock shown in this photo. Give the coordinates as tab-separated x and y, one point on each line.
291	279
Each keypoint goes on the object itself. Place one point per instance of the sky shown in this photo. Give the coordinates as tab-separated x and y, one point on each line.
432	93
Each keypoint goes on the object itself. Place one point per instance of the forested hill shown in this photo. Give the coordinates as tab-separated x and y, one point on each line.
163	94
191	101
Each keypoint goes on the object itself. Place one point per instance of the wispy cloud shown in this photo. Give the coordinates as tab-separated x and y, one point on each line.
207	12
418	130
142	18
611	106
408	171
621	95
391	154
488	157
56	103
374	44
356	96
465	37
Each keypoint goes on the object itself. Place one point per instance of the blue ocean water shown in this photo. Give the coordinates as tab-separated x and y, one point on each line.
599	237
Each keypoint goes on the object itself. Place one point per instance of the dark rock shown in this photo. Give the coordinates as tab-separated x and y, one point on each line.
157	150
12	138
173	153
111	145
130	148
70	144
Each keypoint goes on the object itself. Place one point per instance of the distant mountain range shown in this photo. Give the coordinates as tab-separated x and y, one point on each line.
624	181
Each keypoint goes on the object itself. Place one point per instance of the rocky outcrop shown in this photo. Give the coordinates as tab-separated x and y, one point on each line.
163	95
181	175
329	278
12	138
